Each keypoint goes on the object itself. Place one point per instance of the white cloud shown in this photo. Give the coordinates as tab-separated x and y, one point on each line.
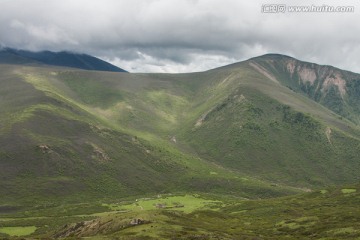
181	35
145	63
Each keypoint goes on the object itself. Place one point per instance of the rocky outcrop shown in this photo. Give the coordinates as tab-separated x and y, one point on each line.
96	226
336	89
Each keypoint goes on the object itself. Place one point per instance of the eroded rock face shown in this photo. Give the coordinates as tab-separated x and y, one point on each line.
307	74
322	78
335	80
290	66
336	89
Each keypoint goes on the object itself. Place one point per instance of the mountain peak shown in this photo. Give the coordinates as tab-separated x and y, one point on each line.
273	55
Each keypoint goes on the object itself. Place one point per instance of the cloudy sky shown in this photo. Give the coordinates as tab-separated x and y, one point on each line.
183	35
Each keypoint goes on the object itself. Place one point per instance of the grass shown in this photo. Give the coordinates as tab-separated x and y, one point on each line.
186	204
93	92
348	190
305	216
131	119
344	231
18	231
255	126
303	222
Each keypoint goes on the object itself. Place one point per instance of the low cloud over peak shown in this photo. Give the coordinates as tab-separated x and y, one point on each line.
180	35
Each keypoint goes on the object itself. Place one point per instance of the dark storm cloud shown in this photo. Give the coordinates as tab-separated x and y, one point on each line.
181	35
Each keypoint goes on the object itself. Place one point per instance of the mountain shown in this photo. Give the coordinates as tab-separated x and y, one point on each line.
65	59
59	143
240	130
334	88
265	128
178	156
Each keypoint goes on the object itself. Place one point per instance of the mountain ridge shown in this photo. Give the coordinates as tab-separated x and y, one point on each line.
332	87
62	58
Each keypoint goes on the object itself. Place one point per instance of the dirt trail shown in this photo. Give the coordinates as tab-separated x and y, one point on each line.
328	134
263	71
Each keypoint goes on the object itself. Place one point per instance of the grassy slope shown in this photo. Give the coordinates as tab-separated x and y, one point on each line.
58	144
112	136
265	129
212	130
82	158
238	108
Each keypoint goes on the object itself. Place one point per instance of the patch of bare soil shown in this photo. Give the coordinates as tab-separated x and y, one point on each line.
263	71
97	226
328	134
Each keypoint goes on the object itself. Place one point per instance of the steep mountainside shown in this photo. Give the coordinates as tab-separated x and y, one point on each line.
334	88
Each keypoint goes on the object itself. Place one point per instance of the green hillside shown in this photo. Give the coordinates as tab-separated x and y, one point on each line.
76	144
236	130
57	143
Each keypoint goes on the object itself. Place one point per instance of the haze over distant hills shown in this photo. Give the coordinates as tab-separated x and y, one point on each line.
65	59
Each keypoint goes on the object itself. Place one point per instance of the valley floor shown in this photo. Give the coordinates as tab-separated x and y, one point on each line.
325	214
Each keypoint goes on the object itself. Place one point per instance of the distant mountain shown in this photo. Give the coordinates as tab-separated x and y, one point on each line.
64	58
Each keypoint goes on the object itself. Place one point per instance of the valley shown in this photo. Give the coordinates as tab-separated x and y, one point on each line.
325	214
267	148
